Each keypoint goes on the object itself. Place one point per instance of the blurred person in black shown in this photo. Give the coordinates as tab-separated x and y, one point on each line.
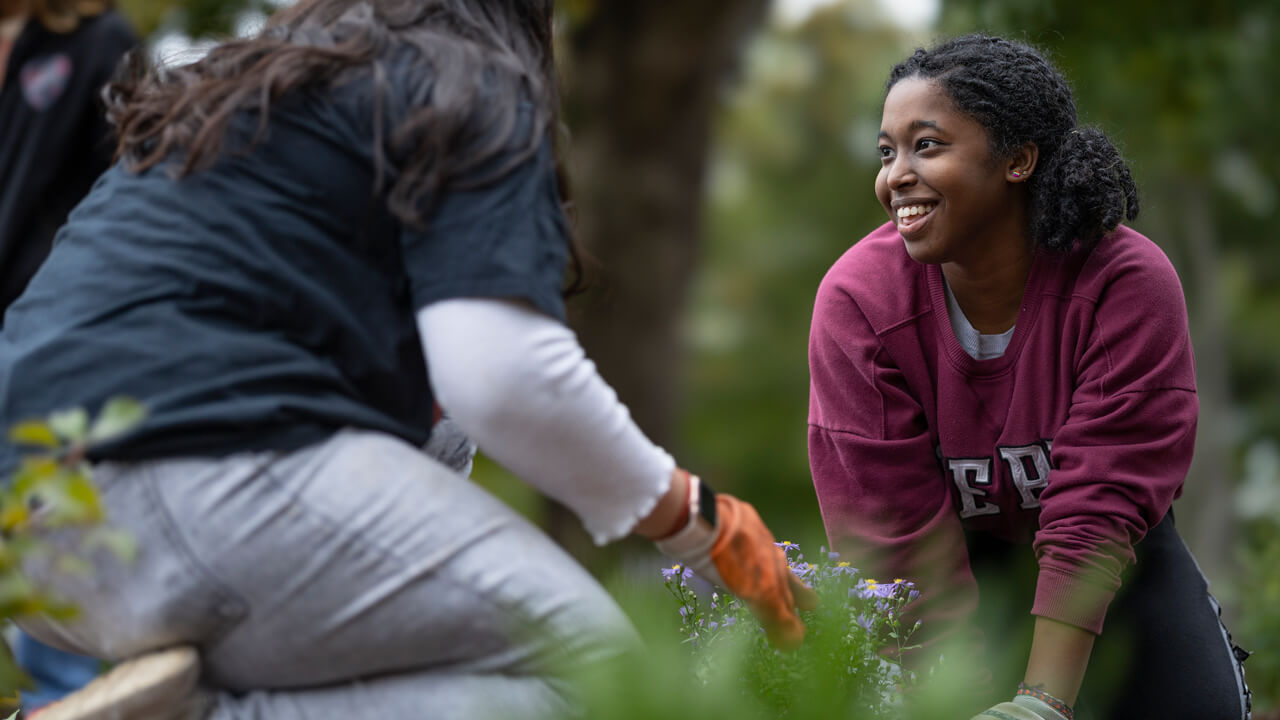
56	55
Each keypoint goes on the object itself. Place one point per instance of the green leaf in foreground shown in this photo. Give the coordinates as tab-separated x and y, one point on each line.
33	432
70	425
118	416
52	488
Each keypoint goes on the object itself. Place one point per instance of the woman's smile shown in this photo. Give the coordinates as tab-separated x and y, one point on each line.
912	217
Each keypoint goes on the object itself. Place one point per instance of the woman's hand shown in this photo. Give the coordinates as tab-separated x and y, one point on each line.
738	552
1011	711
1029	704
755	569
1022	708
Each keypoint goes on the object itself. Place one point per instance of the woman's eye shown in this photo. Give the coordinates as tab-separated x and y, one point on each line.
926	143
885	152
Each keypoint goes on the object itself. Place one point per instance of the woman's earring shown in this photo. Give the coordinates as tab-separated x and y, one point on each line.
1016	174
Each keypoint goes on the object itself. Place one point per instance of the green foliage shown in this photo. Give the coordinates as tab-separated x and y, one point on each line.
1259	630
851	657
655	682
52	490
1259	599
737	675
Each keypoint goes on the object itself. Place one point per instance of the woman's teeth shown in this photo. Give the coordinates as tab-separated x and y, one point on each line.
911	211
909	215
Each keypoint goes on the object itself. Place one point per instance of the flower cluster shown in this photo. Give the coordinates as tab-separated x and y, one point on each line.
853	648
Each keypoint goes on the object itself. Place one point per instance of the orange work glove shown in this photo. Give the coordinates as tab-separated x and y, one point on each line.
739	554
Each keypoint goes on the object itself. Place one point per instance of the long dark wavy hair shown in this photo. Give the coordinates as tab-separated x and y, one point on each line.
1081	188
484	58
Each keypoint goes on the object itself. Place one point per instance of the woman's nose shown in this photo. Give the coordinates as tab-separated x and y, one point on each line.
900	173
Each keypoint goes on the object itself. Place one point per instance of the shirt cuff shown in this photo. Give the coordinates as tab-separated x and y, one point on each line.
1071	599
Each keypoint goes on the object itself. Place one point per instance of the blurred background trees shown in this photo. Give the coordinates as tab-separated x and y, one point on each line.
723	153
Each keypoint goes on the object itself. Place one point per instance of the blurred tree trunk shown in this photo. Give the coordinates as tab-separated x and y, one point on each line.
642	86
1206	512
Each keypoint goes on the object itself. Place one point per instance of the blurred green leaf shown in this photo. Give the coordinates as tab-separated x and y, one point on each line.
82	492
33	432
55	490
16	593
70	425
118	416
32	471
12	516
69	500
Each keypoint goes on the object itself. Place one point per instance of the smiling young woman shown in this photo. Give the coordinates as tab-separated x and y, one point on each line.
1003	402
955	203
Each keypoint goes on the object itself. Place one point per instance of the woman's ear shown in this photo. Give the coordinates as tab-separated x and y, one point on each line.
1022	163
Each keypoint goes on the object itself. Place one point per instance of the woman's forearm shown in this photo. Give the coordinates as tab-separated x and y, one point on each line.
666	516
1059	657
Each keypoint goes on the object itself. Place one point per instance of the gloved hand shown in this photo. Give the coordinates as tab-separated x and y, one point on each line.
732	547
1023	707
1007	711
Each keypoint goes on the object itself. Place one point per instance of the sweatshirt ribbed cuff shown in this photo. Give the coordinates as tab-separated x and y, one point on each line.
1071	599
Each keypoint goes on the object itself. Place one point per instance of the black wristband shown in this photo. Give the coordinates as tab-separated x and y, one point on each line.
707	503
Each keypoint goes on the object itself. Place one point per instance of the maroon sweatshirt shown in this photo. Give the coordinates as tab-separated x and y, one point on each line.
1075	441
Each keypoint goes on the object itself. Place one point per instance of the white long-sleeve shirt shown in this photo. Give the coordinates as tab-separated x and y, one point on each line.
519	384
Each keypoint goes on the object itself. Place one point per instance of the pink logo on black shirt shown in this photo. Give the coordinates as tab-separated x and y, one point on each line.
44	78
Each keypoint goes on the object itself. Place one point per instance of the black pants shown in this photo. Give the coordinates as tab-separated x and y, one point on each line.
1163	653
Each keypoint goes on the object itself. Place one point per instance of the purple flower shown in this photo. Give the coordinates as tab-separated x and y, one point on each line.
842	568
870	589
803	570
681	571
911	592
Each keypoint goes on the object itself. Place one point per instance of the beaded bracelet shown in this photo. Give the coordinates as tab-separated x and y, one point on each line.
1047	699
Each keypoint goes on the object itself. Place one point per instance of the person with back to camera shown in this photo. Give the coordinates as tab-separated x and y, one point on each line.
310	236
1003	403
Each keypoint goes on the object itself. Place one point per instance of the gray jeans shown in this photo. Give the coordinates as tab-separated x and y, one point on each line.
355	578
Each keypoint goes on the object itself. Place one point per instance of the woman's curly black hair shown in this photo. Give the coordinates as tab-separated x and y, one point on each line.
1081	188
